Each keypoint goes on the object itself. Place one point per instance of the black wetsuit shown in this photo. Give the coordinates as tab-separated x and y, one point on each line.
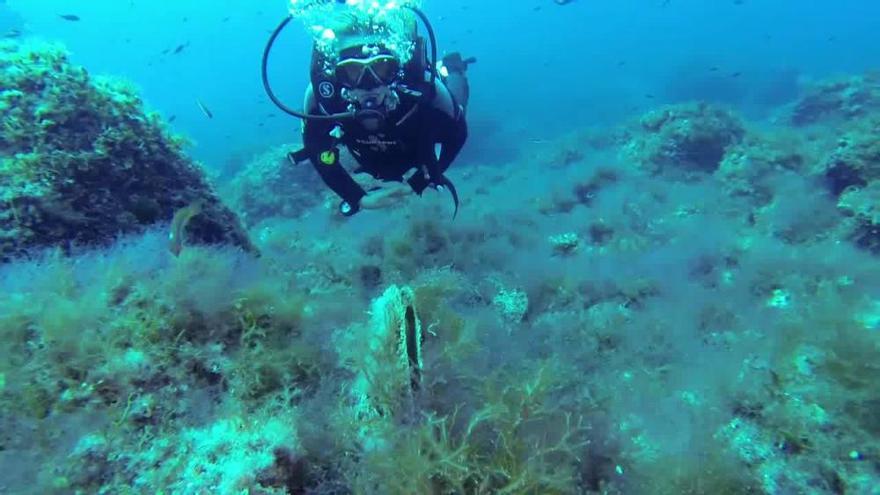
421	135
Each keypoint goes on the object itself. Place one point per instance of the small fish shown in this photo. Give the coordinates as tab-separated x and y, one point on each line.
12	33
204	109
181	219
69	17
172	118
181	47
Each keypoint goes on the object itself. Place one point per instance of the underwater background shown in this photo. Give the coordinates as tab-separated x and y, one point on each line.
663	278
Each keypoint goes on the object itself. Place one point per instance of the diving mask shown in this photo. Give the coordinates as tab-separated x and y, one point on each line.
367	73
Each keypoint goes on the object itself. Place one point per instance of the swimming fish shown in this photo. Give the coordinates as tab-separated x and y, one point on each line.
204	109
69	17
182	217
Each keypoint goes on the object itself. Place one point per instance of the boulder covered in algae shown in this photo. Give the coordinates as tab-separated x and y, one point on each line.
81	161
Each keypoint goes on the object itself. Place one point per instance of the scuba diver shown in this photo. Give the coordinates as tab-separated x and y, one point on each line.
399	113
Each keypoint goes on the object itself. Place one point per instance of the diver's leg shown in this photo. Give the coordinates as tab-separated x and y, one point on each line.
388	195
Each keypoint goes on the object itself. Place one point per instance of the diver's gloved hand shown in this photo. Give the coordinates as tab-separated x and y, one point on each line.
390	194
419	182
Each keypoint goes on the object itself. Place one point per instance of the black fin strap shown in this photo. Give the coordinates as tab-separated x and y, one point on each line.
445	182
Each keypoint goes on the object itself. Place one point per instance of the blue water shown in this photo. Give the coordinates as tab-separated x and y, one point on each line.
543	68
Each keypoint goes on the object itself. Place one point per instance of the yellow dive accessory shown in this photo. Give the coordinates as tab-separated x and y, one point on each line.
328	157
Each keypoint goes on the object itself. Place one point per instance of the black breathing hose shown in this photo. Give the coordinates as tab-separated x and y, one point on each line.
338	116
430	29
268	86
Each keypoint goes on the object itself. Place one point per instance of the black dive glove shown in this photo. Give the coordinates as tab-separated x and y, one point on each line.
420	181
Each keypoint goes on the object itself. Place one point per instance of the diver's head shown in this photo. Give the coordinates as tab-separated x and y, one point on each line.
369	75
366	52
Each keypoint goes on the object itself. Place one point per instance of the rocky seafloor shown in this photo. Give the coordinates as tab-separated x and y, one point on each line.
688	303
